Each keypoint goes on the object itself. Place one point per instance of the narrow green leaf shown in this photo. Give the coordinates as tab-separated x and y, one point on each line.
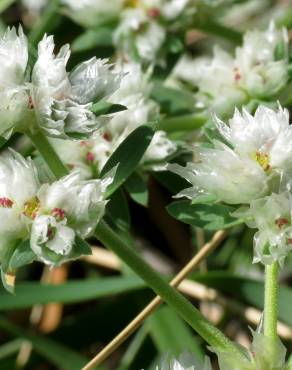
104	107
118	210
29	294
57	354
22	255
137	188
172	101
206	216
171	334
4	4
128	156
10	348
91	39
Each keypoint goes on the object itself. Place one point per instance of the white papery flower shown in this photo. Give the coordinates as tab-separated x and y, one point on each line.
62	101
258	159
50	215
218	87
75	207
259	70
18	185
139	35
184	362
90	156
90	13
272	216
14	98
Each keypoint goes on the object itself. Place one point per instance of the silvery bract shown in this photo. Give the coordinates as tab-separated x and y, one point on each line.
62	101
14	96
50	215
90	156
256	159
259	70
272	216
55	100
184	362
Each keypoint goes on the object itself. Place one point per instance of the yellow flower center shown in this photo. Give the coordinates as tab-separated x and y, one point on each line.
263	160
31	208
131	3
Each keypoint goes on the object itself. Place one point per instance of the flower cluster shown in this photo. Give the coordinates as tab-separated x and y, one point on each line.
252	166
48	96
51	216
185	362
90	156
142	24
259	70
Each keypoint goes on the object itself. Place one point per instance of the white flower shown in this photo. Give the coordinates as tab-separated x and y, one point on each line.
90	156
62	101
139	36
90	13
263	73
18	185
75	207
13	92
184	362
259	70
272	216
258	159
215	78
50	215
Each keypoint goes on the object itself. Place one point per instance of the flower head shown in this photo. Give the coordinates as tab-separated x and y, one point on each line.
272	216
257	158
50	215
259	70
13	91
184	362
62	100
89	156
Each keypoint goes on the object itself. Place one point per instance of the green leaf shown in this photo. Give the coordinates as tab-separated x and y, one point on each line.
22	255
104	107
207	198
188	122
4	4
128	156
208	217
171	334
91	39
30	293
118	210
9	348
137	189
57	354
172	101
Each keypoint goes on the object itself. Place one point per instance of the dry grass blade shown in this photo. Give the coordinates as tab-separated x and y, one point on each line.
138	320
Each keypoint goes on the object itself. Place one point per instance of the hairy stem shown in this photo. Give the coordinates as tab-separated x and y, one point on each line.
271	300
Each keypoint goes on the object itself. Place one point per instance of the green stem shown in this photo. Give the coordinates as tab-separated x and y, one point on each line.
48	153
187	122
184	308
271	300
170	295
217	29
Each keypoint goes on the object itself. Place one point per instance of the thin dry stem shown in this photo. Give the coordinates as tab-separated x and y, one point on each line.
138	320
